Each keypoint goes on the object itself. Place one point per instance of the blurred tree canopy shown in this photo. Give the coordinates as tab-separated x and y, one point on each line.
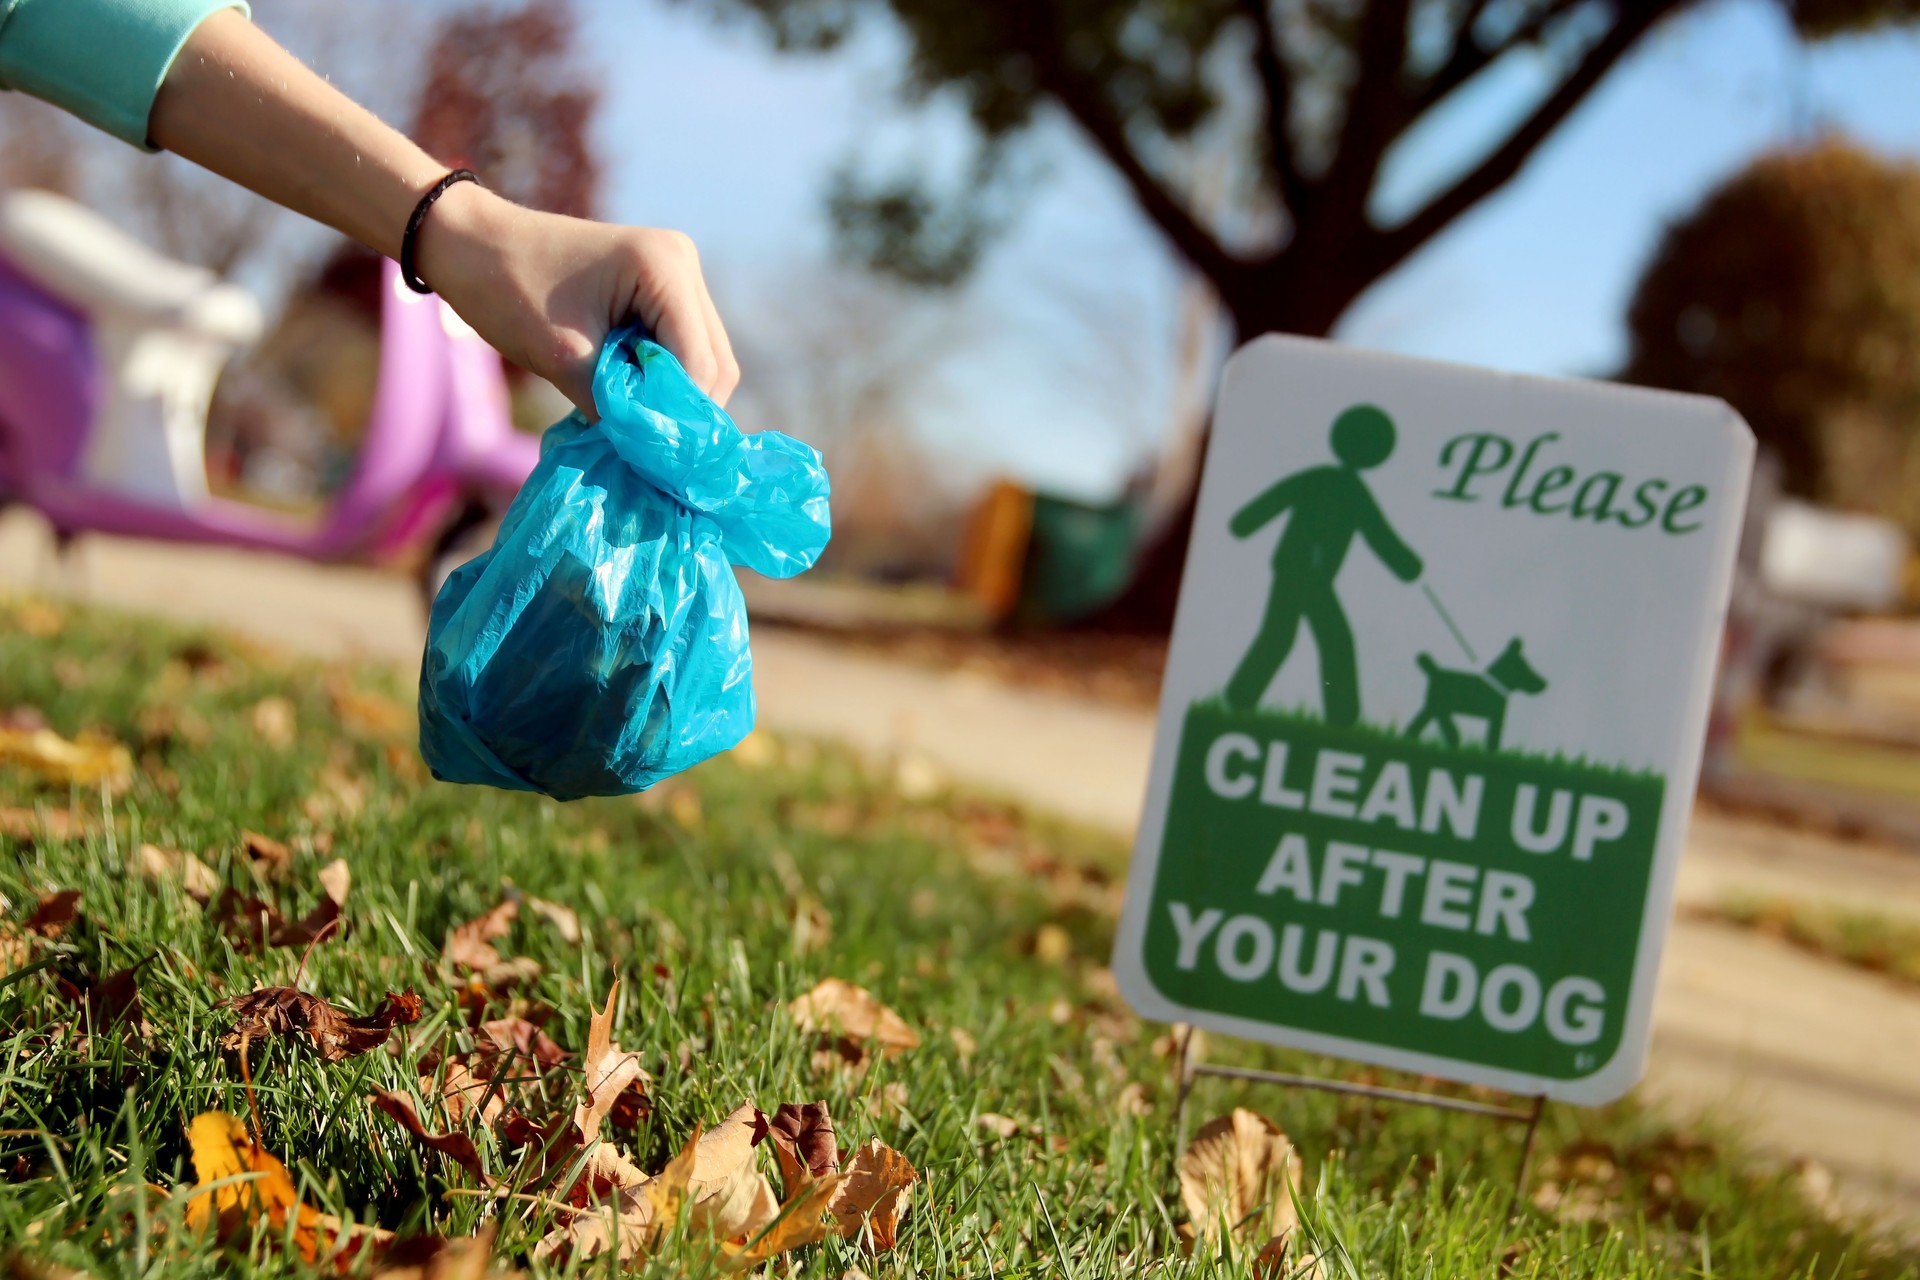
507	96
1793	292
1153	85
1297	102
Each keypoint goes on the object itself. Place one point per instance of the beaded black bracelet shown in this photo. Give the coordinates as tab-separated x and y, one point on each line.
409	246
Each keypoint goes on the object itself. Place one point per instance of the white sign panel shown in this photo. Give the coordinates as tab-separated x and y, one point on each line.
1433	716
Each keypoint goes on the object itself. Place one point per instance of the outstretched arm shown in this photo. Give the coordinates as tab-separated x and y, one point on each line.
1268	506
1395	554
544	290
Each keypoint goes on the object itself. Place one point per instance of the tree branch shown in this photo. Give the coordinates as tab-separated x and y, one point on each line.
1277	84
1377	110
1469	59
1083	99
1497	169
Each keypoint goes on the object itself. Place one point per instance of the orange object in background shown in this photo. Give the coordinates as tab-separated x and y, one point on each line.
993	552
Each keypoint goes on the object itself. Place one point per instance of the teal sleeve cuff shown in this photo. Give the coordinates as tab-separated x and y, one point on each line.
102	60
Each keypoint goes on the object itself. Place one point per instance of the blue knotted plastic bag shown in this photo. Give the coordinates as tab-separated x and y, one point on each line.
600	644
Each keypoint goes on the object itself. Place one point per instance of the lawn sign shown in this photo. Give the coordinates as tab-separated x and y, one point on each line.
1433	716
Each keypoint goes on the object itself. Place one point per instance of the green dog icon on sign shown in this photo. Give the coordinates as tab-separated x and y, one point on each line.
1326	508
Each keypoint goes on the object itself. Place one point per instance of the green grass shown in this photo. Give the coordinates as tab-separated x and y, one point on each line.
1391	737
935	904
1865	939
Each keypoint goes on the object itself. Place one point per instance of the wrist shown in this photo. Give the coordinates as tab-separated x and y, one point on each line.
460	236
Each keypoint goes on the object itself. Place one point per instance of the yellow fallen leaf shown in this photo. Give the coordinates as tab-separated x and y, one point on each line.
40	619
89	760
240	1183
273	721
630	1222
875	1185
368	713
731	1198
1239	1175
838	1007
800	1221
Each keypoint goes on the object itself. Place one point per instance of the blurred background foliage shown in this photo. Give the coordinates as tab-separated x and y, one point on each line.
1793	292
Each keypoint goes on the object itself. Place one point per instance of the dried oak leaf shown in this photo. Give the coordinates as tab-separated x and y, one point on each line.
470	945
240	1183
110	1001
273	722
52	914
804	1143
848	1018
87	761
30	825
629	1223
369	713
457	1147
873	1193
438	1258
731	1197
172	866
563	919
253	923
517	1041
286	1011
268	857
614	1078
1240	1175
462	1093
800	1221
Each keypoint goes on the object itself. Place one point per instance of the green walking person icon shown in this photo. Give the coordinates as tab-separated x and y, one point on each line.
1326	507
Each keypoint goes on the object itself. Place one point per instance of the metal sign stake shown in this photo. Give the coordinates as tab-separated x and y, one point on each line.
1190	1069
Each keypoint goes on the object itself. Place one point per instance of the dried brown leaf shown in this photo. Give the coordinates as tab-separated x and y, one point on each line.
1240	1174
287	1011
873	1193
470	946
515	1039
268	857
30	825
109	1002
368	713
171	866
836	1007
562	918
462	1093
611	1075
630	1223
804	1143
273	722
438	1258
800	1221
52	914
457	1147
731	1197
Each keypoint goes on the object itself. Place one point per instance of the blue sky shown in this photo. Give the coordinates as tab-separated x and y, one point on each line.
704	130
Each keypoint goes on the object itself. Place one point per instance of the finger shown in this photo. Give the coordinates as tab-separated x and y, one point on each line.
727	368
571	370
682	329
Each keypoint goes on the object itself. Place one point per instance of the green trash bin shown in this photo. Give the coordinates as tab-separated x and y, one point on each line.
1079	558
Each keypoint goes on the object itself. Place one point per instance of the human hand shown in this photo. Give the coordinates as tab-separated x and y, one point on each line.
545	290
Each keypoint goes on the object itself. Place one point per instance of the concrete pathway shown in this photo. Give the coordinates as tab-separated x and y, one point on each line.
1811	1058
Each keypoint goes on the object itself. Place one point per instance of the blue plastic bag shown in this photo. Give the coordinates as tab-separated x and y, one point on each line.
600	644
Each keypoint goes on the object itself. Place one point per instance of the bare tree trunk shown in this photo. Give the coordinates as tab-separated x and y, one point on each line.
1282	303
